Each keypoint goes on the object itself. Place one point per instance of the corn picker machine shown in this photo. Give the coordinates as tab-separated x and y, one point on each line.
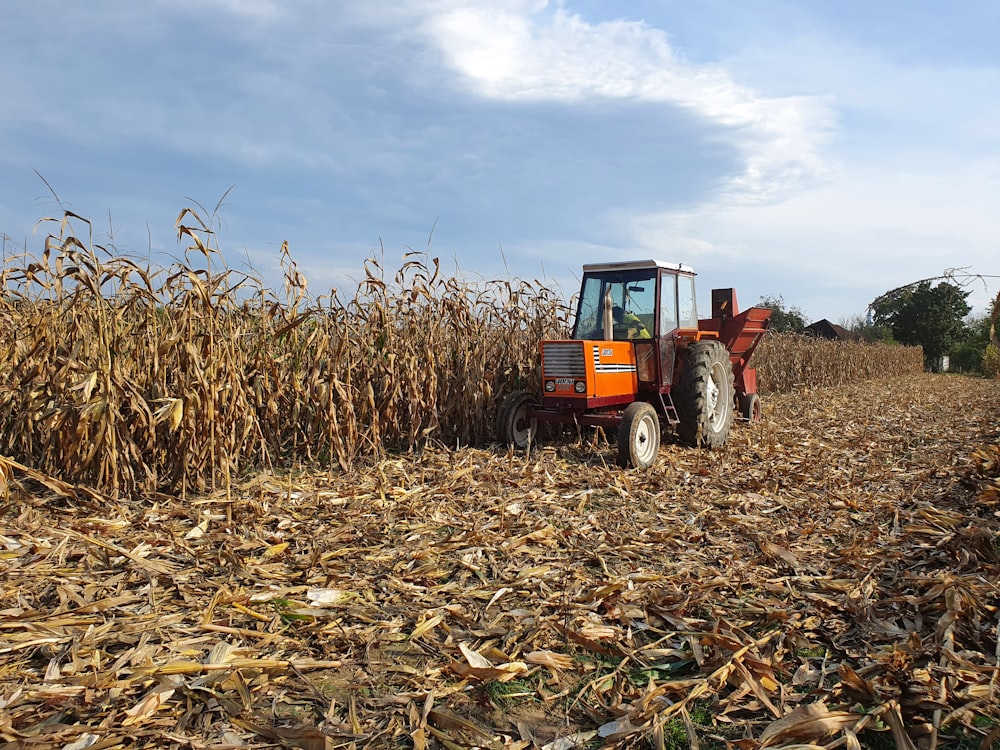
639	357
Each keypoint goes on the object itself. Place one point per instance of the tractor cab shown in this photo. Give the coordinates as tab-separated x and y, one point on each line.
649	303
638	356
647	299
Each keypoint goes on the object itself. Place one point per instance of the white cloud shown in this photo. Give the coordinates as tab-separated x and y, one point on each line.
527	54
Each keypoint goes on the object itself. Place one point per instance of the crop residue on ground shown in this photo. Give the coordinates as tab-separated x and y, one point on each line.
831	573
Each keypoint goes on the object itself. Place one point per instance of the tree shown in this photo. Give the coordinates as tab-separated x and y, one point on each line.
967	354
978	351
922	315
863	329
783	319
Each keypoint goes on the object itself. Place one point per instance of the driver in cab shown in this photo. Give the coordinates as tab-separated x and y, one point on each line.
628	325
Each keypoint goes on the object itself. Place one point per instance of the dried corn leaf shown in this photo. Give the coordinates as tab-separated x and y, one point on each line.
813	721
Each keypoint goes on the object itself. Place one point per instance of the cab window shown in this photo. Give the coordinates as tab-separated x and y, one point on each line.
633	293
687	311
668	303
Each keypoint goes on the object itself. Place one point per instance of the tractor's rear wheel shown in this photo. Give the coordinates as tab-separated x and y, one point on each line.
704	395
750	409
639	436
515	424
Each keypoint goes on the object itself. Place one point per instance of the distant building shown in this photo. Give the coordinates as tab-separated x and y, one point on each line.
824	329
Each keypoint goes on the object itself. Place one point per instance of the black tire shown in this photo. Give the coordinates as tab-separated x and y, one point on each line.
704	396
639	436
515	425
750	409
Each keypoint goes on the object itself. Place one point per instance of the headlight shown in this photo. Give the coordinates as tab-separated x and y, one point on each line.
550	386
579	386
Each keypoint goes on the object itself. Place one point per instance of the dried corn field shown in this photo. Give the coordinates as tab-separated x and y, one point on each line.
829	579
788	361
132	379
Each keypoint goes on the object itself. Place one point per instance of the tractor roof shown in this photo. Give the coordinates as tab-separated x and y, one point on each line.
636	265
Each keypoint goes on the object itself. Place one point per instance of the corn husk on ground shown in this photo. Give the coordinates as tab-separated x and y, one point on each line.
830	577
175	576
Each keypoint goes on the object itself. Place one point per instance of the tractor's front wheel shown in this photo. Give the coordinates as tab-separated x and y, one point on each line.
639	436
704	396
515	424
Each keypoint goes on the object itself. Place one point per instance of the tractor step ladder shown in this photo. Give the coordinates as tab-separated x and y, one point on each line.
669	409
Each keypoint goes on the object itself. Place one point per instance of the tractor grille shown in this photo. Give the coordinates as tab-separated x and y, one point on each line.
563	360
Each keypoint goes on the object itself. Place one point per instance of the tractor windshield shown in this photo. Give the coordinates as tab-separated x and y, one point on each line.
626	298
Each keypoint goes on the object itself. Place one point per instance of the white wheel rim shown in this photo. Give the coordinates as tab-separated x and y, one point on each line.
524	428
716	406
644	443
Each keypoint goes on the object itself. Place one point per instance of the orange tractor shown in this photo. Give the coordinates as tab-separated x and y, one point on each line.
638	357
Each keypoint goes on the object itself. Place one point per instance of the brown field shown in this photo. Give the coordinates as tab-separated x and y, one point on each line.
829	578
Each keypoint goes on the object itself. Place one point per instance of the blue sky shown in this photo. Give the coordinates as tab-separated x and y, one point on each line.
824	152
